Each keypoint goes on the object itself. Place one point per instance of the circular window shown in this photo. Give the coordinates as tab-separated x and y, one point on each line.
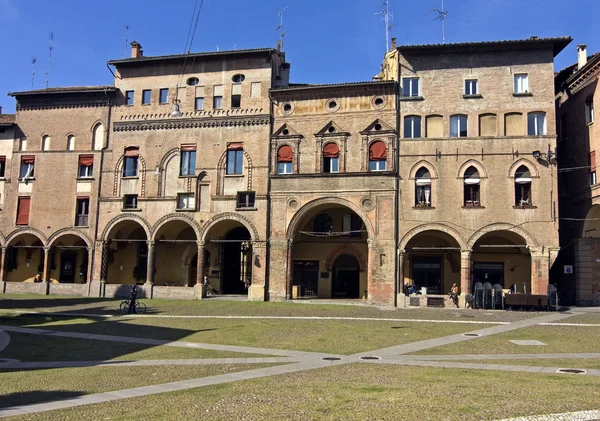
378	127
238	78
193	81
367	203
285	132
331	129
378	102
287	108
332	105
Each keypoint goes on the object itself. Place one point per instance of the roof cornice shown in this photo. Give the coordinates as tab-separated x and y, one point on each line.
192	123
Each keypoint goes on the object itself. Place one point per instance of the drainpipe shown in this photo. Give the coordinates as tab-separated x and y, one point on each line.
398	282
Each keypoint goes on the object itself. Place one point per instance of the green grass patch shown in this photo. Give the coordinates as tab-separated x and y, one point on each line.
589	318
359	392
559	340
586	363
36	386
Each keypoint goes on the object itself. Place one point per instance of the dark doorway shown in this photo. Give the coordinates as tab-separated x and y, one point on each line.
427	273
68	259
235	262
346	277
488	272
306	276
194	268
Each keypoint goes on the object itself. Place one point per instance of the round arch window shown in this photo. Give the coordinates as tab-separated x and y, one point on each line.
193	81
239	78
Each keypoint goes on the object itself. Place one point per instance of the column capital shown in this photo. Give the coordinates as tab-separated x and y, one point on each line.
150	243
467	252
200	243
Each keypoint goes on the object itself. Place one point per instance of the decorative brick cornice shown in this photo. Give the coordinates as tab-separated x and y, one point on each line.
52	104
192	123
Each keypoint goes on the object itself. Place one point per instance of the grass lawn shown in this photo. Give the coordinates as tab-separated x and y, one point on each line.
359	392
587	363
559	339
36	386
328	336
26	347
243	308
591	318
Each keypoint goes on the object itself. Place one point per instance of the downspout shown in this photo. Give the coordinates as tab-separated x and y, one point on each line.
268	239
398	282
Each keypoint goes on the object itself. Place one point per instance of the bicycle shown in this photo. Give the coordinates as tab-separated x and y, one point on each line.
139	306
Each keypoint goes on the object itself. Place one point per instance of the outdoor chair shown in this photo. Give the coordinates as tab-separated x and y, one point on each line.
552	297
487	295
478	295
498	298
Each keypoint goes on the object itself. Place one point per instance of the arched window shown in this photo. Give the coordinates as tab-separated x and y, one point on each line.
412	126
471	187
285	156
331	160
98	137
70	142
323	224
536	124
352	225
377	156
423	188
130	163
458	126
46	143
523	186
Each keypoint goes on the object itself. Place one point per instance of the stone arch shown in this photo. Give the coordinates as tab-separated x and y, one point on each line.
472	163
127	217
221	169
432	227
29	230
231	216
162	167
141	175
591	225
346	249
69	231
302	212
502	226
203	177
176	217
423	163
522	161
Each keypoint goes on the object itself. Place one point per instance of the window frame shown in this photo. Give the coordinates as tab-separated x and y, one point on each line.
518	86
589	111
134	201
523	191
593	180
412	126
146	101
459	118
287	166
196	108
248	203
134	160
328	164
3	167
30	173
411	94
82	219
129	97
377	163
88	171
238	162
184	198
469	84
191	163
160	96
533	116
422	189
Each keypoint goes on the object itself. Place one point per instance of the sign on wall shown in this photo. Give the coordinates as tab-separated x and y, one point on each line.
569	269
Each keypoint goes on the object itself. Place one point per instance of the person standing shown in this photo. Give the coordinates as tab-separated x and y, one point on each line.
454	294
132	299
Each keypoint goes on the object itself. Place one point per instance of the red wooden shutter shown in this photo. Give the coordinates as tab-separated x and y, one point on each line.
28	159
86	160
377	151
23	210
285	154
235	146
188	148
331	150
132	151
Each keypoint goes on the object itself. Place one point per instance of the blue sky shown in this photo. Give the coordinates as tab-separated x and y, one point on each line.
327	41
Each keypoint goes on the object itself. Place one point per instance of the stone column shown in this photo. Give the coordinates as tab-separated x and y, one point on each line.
88	277
465	272
257	266
539	272
400	297
289	276
150	263
200	264
371	288
3	264
46	272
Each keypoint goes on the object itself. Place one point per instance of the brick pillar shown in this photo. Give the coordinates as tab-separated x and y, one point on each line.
98	272
150	263
465	271
290	270
200	263
539	272
370	268
3	264
46	272
90	251
400	272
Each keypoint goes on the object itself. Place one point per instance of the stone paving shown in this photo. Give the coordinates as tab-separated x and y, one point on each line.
296	360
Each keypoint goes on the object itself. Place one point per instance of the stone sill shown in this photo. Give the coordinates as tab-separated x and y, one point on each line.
525	207
26	180
131	210
245	209
412	98
135	177
475	96
518	94
185	210
84	178
473	207
423	207
234	175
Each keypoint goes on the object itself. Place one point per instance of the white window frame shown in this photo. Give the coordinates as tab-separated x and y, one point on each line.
536	128
331	171
30	171
411	119
380	165
284	168
521	83
411	93
469	84
186	201
88	171
459	118
589	111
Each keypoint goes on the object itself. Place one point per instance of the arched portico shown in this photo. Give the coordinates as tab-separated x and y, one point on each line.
174	237
126	255
25	257
69	257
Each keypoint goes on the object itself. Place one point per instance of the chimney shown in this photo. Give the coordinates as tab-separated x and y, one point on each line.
136	50
393	43
581	56
0	109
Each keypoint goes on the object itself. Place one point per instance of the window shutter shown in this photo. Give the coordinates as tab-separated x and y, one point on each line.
331	150
23	211
593	161
132	151
28	159
377	151
218	90
188	148
235	146
285	154
86	160
2	159
236	89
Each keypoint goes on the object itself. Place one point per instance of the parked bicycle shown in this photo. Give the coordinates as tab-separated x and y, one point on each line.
139	306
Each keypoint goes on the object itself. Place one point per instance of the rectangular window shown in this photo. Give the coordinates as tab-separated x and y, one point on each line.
589	111
27	167
164	96
199	103
284	168
82	212
471	195
593	178
188	160
458	126
471	87
536	124
23	144
255	90
23	210
218	97
410	86
146	96
331	165
236	95
235	162
592	168
186	201
130	201
86	166
130	166
521	83
412	127
129	97
245	199
377	165
2	166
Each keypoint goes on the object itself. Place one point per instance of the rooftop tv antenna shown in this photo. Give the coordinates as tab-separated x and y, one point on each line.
282	33
387	17
127	27
49	58
33	62
442	14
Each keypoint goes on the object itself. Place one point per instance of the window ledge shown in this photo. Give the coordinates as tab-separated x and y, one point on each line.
234	175
517	94
26	180
525	207
590	123
185	210
245	209
474	96
131	210
423	207
473	207
130	177
2	178
412	98
81	226
84	178
187	176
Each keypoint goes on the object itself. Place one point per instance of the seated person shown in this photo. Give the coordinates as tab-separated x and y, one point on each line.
513	288
412	290
454	292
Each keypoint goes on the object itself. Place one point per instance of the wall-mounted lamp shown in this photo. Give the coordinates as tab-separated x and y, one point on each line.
547	156
176	112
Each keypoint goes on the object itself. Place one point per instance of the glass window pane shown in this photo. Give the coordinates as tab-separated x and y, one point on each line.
416	126
199	105
231	162
217	102
238	162
454	126
334	164
373	165
129	97
406	87
164	96
463	126
146	96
